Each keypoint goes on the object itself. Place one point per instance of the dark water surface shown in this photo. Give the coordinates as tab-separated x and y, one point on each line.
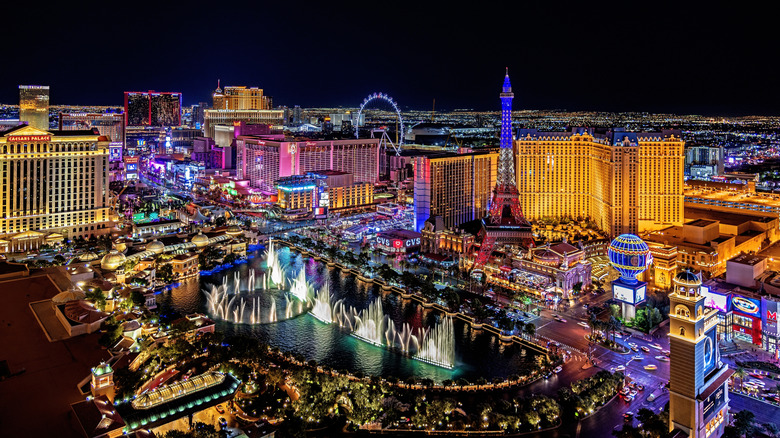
478	353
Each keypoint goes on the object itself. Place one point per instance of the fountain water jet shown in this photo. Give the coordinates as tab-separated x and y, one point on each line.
438	346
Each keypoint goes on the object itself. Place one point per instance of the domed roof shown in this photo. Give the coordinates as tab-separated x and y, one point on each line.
630	256
112	260
234	230
200	240
68	295
101	369
88	257
120	246
156	247
687	278
545	255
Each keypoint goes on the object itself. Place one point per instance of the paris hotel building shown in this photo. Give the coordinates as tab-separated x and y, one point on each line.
53	181
626	182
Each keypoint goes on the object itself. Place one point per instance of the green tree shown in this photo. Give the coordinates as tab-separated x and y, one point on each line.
138	298
165	273
112	331
95	295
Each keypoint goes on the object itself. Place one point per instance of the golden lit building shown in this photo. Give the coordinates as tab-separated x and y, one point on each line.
322	191
241	98
625	182
456	187
698	379
53	181
34	105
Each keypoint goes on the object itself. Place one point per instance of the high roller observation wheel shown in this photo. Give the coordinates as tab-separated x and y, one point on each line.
388	99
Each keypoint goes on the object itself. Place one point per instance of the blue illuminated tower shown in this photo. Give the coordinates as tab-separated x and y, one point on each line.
506	224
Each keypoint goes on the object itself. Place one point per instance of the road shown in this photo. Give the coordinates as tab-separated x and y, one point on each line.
765	413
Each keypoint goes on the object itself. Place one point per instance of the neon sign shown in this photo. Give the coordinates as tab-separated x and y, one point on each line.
29	138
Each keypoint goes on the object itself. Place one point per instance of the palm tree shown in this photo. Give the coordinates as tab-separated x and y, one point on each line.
740	373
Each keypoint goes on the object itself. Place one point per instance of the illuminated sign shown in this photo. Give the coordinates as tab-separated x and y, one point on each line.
770	316
714	402
710	350
29	138
640	294
622	293
746	305
398	243
714	300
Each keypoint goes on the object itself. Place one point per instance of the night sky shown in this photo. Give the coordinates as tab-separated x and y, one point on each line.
657	57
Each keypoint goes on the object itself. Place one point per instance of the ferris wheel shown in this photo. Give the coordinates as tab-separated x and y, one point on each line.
384	138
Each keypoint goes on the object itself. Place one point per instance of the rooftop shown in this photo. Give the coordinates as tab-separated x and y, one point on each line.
747	259
700	223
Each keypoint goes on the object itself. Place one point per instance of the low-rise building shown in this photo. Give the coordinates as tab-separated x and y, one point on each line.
185	265
435	238
564	264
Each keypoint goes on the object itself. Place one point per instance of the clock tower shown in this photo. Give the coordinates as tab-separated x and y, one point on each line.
698	379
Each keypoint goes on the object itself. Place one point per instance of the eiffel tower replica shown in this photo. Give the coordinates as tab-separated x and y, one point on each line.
505	223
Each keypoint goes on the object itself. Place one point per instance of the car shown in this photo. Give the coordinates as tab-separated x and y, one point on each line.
651	367
638	357
628	416
634	347
625	390
651	398
662	358
628	399
220	409
645	349
632	393
583	324
618	335
548	375
656	346
620	368
557	369
640	387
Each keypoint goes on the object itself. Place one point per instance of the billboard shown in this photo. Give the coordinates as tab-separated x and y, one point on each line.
748	306
710	350
115	151
769	316
714	402
714	300
629	295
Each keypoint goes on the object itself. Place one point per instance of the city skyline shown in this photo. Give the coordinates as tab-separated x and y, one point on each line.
640	58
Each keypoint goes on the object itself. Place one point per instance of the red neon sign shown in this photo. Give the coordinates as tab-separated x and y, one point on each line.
29	138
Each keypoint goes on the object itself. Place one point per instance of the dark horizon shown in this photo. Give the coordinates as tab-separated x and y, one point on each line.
638	58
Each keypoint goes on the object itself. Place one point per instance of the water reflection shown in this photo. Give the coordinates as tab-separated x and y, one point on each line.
477	353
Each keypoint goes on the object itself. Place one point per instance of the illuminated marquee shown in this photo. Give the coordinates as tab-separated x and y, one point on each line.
398	243
29	138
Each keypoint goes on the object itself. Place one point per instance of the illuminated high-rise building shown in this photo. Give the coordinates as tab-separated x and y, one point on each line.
34	105
54	181
241	98
698	379
112	125
456	187
626	182
214	117
264	160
